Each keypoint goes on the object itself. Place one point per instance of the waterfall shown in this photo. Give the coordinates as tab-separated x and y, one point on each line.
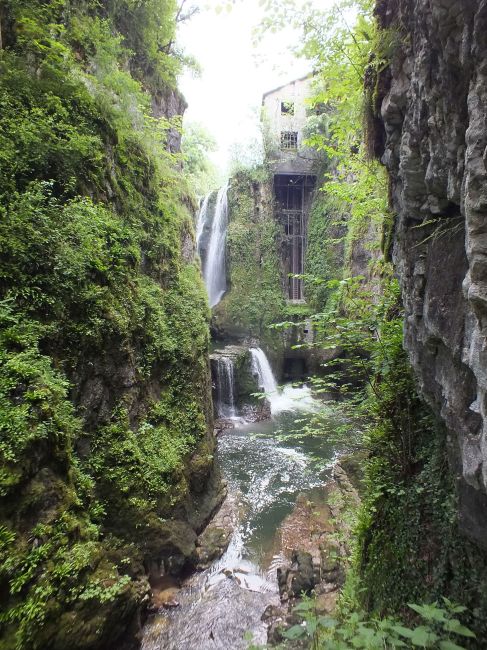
262	368
225	388
215	272
201	221
290	398
267	382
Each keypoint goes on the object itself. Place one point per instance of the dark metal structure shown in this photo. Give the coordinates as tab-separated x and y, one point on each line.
293	194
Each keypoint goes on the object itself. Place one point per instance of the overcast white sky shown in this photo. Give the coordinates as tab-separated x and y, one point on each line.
226	98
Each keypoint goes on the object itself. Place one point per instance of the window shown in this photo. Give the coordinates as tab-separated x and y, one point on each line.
289	139
287	108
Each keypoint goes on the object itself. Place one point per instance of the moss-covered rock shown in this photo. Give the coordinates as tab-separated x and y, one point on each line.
255	298
105	394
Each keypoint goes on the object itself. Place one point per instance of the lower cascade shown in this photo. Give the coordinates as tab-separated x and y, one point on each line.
225	388
287	398
262	368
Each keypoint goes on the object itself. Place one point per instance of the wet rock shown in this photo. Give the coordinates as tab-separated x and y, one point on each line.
256	412
316	562
277	618
222	424
171	545
273	612
170	604
434	139
303	579
299	578
275	633
325	603
164	590
214	540
212	543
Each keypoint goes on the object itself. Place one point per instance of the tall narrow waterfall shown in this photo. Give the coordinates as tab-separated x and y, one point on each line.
215	272
225	388
201	221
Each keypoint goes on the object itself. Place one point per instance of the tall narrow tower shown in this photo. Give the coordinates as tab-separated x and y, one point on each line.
284	116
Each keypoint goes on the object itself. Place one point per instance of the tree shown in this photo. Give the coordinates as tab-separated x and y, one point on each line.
199	170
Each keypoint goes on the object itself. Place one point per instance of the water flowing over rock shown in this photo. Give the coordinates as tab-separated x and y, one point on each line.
214	266
262	367
225	387
201	222
431	134
290	398
246	404
224	602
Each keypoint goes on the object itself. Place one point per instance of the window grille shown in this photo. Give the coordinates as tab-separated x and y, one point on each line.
289	140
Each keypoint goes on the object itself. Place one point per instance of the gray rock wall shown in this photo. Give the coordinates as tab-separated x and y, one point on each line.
433	108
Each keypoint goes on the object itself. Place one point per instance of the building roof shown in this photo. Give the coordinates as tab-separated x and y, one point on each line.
274	90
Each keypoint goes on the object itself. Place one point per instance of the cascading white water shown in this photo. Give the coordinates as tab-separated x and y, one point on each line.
225	388
262	368
215	272
201	221
290	398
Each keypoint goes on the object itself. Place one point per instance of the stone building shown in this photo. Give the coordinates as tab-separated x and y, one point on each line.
284	116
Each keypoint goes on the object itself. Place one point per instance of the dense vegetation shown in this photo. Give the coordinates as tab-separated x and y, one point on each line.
103	326
104	387
408	547
255	298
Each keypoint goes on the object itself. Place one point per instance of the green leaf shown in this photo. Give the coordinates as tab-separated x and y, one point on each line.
449	645
403	631
305	606
423	636
294	632
311	627
428	612
327	622
454	625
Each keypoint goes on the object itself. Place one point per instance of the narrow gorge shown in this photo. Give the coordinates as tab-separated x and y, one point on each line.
242	394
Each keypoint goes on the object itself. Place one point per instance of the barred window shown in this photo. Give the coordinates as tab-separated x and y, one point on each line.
289	140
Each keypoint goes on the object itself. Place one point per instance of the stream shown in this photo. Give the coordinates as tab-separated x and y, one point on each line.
221	608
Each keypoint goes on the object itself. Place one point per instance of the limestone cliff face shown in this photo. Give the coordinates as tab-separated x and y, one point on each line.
432	103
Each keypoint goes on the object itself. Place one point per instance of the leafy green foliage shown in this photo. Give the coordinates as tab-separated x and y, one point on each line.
201	173
409	548
103	324
256	298
325	250
440	629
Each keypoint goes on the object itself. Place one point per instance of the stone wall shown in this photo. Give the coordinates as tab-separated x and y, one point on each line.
432	137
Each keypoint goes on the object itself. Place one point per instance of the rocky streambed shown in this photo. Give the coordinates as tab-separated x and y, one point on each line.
272	539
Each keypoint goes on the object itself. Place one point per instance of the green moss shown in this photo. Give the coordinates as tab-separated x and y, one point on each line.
410	548
256	298
325	249
104	387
